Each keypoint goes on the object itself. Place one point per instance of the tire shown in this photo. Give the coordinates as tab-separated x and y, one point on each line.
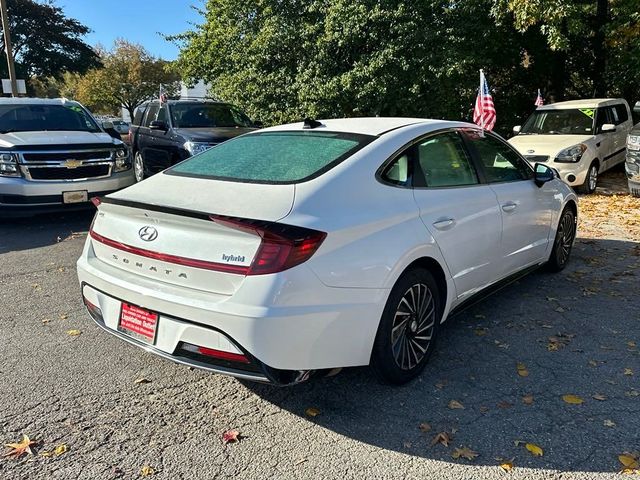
397	356
563	241
634	188
591	181
138	166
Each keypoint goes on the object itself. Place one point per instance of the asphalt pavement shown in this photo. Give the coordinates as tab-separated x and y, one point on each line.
508	361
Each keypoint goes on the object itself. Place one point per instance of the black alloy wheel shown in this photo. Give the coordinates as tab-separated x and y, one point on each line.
563	242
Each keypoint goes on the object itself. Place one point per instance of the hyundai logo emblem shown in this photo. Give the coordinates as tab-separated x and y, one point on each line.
148	234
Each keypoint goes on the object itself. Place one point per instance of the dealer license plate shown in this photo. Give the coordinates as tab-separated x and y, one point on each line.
138	323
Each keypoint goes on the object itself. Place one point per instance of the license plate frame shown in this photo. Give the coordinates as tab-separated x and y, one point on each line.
138	323
75	196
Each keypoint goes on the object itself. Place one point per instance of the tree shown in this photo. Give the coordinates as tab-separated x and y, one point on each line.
128	77
46	42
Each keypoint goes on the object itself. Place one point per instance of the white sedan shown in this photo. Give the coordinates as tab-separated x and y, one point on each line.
296	250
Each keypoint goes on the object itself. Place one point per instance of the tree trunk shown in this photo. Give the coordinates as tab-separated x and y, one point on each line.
599	49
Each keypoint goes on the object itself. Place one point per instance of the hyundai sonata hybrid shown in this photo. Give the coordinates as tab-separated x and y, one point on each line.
293	251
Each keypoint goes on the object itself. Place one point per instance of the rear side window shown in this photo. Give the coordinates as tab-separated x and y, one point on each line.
273	157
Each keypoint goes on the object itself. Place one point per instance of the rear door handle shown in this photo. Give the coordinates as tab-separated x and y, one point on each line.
444	223
509	206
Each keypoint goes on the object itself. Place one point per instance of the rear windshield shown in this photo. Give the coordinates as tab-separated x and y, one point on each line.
273	157
39	117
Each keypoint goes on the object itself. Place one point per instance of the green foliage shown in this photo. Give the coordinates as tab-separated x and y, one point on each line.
282	61
45	42
129	76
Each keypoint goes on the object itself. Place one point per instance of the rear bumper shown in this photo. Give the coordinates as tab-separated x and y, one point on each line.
286	342
23	197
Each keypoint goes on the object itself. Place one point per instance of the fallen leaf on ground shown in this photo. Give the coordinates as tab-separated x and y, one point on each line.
481	332
440	385
464	452
593	363
424	427
60	449
479	315
609	423
484	409
629	460
527	399
142	380
312	412
18	449
522	370
74	333
63	316
230	436
454	404
632	393
505	404
599	396
506	465
572	399
45	321
556	342
631	344
147	471
628	371
535	450
443	437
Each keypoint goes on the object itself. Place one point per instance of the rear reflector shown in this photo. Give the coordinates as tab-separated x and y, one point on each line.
93	310
222	355
282	246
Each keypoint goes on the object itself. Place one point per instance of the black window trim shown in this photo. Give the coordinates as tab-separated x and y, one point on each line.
364	141
480	165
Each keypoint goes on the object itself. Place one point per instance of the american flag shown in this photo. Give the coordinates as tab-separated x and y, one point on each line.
484	113
539	100
162	96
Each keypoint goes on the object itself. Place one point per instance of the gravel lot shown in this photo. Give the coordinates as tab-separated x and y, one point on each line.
576	333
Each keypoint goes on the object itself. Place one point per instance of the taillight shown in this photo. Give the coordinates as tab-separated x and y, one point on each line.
130	137
282	246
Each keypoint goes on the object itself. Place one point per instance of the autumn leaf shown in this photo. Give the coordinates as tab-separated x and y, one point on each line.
504	404
443	437
63	316
522	370
141	381
535	450
609	423
455	405
230	436
629	460
73	333
424	427
527	399
506	465
480	332
572	399
599	396
147	471
18	449
464	452
312	412
593	363
628	371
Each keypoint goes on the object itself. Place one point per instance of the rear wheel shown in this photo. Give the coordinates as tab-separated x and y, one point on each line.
591	182
407	331
563	242
138	166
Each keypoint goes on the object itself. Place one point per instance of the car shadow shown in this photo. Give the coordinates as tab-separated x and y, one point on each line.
508	362
25	233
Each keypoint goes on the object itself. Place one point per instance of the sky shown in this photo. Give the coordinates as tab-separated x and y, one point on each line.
138	21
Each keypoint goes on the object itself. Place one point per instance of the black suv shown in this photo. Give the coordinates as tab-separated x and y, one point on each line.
165	133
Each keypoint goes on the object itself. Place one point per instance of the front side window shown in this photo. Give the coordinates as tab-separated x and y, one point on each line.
569	121
150	115
43	117
273	157
442	161
207	115
499	161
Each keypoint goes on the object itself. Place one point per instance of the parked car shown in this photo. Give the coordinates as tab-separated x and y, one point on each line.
54	155
121	126
632	165
296	250
579	138
163	134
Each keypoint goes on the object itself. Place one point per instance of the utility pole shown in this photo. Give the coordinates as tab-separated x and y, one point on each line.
7	46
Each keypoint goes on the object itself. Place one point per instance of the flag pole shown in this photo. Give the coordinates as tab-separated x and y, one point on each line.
481	93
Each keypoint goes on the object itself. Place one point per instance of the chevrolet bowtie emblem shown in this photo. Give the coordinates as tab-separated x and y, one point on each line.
72	163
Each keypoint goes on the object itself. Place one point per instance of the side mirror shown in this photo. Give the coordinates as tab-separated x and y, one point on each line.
258	124
543	174
107	125
516	129
158	125
608	128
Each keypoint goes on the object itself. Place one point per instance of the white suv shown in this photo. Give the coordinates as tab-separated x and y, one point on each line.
579	138
54	155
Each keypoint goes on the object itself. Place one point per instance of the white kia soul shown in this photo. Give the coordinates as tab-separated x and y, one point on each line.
300	249
579	138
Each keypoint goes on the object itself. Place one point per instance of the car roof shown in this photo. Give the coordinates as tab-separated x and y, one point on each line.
364	125
36	101
585	103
